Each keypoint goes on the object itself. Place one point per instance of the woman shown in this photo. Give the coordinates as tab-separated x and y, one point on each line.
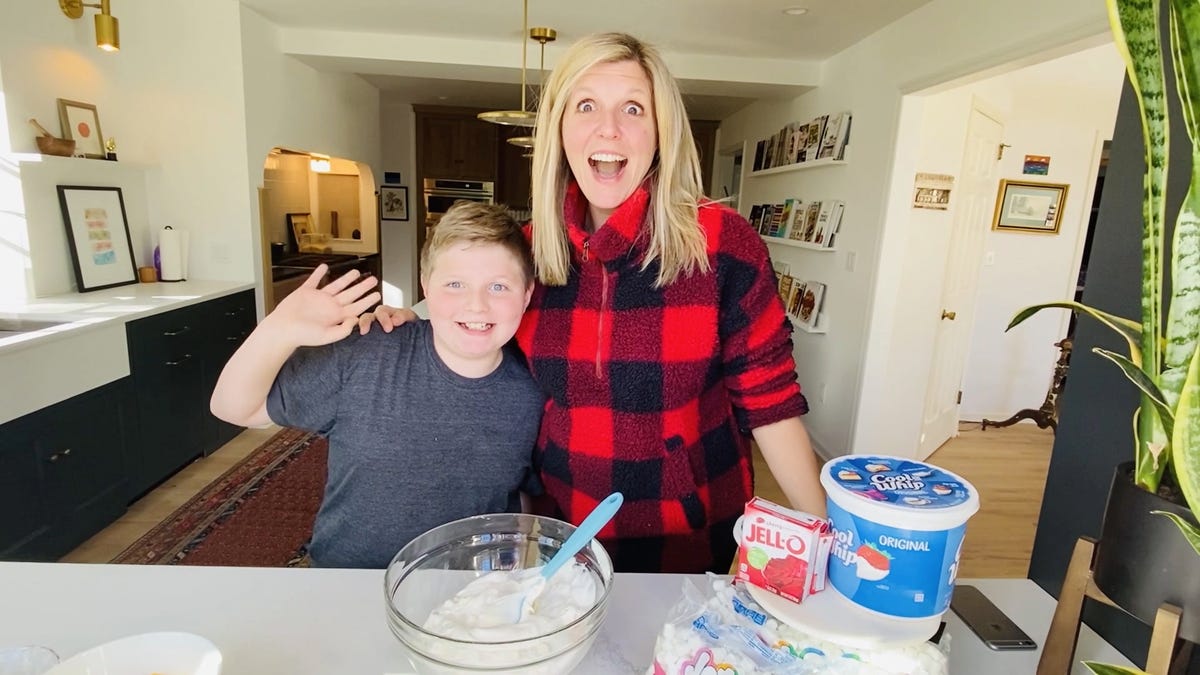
655	329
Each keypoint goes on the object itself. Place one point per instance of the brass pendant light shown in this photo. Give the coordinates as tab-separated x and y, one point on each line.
542	36
522	117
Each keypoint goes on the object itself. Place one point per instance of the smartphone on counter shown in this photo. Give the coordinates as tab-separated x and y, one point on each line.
987	621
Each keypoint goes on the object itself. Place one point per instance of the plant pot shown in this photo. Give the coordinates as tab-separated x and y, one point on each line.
1143	560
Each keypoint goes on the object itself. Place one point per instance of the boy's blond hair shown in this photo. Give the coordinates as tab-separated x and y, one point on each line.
675	239
477	223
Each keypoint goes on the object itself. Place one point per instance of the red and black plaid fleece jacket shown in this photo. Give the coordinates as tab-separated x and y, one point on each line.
652	392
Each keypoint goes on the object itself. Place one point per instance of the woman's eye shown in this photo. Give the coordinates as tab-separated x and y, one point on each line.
585	106
633	109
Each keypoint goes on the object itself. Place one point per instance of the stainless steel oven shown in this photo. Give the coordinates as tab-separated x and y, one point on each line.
441	193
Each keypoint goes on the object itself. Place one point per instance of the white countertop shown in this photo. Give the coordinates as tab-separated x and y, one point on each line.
88	349
323	622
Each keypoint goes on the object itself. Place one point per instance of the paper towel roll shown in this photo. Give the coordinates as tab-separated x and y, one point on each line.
172	253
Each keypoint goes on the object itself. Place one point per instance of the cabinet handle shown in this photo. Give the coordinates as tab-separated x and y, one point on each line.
66	453
52	458
55	457
232	338
231	313
173	333
179	361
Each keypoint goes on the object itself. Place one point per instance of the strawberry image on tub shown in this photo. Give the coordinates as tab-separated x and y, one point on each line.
898	527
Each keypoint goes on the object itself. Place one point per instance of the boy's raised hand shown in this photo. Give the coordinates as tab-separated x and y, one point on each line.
312	316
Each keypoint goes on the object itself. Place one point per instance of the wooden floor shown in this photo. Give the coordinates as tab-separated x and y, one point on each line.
1007	467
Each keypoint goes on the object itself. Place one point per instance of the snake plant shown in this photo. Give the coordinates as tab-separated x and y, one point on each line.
1163	360
1103	669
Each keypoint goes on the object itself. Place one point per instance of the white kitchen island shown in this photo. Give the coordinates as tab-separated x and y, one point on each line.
273	621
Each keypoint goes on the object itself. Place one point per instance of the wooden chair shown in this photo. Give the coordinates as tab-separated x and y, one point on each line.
1058	653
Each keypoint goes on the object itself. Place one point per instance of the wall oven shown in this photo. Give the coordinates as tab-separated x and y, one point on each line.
441	193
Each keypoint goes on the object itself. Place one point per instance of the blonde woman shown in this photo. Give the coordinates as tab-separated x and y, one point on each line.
655	328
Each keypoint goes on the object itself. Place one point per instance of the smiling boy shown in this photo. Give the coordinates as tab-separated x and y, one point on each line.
429	423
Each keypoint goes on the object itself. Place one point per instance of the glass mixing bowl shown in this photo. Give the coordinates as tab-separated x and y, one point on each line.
438	564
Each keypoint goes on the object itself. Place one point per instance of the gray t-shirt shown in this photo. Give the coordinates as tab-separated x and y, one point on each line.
412	444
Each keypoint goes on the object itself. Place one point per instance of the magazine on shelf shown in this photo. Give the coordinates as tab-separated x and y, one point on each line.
835	222
810	304
795	293
755	214
760	149
785	223
810	221
785	286
796	227
816	130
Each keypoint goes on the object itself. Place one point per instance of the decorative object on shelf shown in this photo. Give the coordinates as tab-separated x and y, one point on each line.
932	191
300	226
97	236
1046	415
523	117
110	149
1163	359
393	202
49	145
822	139
81	123
108	29
540	35
812	225
1026	206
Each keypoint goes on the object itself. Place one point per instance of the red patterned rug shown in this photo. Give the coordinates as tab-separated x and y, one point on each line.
258	514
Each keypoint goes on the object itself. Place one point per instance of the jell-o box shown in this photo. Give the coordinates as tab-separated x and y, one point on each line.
783	551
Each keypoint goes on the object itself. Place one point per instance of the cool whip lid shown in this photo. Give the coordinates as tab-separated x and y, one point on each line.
899	492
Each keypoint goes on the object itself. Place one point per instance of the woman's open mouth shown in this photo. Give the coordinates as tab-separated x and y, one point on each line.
607	164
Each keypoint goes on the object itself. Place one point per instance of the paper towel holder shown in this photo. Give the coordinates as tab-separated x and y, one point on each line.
172	263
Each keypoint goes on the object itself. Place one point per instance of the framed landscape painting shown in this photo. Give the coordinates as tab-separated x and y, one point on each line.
1027	206
97	236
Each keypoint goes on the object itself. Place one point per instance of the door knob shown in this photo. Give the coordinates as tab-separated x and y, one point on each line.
948	315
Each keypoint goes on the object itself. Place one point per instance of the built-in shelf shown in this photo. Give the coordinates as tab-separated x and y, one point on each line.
819	329
797	244
816	163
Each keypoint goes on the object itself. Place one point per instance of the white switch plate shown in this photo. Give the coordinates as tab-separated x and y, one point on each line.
850	261
989	258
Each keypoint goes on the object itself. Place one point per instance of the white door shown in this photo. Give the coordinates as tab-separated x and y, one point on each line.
970	223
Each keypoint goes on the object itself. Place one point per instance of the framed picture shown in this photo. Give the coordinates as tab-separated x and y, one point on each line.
393	202
98	236
81	123
1029	207
299	224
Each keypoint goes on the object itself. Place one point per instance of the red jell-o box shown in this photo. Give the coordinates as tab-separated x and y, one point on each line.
783	551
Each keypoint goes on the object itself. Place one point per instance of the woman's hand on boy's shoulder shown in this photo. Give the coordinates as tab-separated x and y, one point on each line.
388	318
315	315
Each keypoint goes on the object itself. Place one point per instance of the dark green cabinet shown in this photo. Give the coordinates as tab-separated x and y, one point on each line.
174	361
63	473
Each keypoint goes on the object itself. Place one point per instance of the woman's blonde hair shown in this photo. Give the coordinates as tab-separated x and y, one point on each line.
676	240
476	223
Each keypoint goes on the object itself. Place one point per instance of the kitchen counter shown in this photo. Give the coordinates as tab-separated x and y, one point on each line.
87	346
318	622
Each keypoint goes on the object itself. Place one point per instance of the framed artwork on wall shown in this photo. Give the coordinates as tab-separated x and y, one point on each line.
97	236
393	202
81	123
1027	206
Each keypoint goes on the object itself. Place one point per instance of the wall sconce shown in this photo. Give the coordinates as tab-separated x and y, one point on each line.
319	163
108	35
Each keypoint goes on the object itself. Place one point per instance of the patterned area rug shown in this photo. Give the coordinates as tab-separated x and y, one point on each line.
258	514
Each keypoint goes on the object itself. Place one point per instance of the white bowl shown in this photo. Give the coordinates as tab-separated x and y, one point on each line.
167	653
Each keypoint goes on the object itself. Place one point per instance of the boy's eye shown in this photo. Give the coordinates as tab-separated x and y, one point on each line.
499	287
633	109
453	284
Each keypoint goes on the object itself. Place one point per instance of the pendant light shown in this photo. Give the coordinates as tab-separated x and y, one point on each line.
542	36
522	117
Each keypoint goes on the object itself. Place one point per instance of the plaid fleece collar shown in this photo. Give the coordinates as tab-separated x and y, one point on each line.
621	233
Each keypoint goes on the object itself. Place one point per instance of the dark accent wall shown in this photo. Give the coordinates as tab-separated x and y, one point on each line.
1095	431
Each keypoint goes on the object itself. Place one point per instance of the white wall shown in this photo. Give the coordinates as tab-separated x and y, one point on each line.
170	99
1064	108
398	130
291	105
844	371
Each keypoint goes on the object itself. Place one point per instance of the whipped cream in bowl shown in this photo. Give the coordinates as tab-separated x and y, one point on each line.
444	595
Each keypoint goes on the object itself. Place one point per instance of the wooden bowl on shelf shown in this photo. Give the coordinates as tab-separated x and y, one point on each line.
61	147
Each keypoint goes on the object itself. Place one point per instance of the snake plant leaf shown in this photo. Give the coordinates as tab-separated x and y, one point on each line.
1190	531
1185	441
1105	669
1183	319
1130	330
1141	381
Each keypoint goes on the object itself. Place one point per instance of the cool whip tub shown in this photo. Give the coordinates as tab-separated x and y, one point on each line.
898	528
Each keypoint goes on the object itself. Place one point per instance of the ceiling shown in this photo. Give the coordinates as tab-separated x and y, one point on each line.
742	29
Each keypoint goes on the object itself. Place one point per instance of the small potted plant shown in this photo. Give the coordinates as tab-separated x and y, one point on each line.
1162	484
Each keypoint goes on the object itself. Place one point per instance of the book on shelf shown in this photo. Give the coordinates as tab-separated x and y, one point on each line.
816	128
810	304
796	227
810	221
795	293
785	286
776	221
759	151
785	222
835	222
755	215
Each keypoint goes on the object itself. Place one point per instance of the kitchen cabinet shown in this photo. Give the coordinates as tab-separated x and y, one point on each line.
705	134
454	143
512	179
174	361
63	473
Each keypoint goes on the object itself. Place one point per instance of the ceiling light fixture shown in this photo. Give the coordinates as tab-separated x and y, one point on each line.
522	117
796	11
541	36
108	34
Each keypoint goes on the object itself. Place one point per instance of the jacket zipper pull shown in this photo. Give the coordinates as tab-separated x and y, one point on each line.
586	242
